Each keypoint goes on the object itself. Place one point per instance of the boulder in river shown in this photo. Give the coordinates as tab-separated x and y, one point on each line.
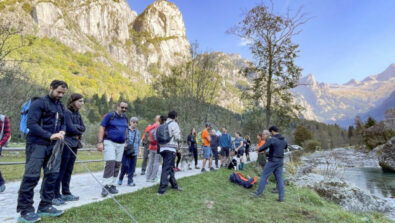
386	156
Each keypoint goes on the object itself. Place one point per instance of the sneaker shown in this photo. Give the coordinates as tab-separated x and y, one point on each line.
177	169
113	190
30	217
131	184
178	189
196	167
280	200
58	201
203	170
2	188
254	195
212	169
105	191
50	211
70	197
142	172
119	182
189	168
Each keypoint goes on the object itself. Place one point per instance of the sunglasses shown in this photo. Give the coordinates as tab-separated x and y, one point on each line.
134	122
125	108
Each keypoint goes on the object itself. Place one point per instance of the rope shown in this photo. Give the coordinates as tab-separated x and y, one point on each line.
101	185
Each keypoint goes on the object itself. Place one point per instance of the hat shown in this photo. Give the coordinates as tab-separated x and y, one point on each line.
273	128
134	119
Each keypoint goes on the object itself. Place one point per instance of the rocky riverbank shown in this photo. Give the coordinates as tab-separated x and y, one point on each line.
323	171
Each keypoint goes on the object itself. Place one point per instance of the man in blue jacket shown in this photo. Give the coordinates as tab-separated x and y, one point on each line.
45	122
225	142
276	145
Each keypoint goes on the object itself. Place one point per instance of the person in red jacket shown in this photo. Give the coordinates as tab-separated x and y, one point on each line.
154	157
4	136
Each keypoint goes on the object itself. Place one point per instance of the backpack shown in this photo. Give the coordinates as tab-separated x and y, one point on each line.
2	118
152	136
238	178
24	111
163	134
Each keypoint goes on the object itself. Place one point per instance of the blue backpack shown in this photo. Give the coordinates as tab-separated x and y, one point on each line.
162	134
24	111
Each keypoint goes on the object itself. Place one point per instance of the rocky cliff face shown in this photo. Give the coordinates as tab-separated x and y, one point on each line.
337	103
153	40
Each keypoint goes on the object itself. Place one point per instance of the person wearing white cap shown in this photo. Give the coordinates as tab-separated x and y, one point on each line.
129	158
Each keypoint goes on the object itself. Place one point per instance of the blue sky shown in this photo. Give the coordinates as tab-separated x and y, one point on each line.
344	39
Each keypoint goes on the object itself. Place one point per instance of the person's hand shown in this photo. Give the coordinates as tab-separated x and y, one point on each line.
63	133
57	136
100	147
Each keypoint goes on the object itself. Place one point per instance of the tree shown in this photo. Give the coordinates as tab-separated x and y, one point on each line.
302	134
270	41
370	122
350	131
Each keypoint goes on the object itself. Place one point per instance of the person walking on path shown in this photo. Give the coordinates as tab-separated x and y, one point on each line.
214	144
247	144
276	145
5	134
145	141
207	153
239	149
153	157
111	141
193	146
129	158
168	152
74	129
225	142
45	121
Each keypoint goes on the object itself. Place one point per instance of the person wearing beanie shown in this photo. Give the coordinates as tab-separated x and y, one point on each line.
74	129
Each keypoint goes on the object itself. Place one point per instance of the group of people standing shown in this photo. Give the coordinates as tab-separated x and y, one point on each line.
51	125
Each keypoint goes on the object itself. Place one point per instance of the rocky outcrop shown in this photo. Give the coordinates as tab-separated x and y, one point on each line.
386	156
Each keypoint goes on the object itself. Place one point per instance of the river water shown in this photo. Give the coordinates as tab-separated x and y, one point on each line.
372	180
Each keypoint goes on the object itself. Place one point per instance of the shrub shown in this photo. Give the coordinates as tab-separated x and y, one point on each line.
302	134
27	7
312	145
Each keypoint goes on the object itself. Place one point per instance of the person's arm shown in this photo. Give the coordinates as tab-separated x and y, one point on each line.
34	119
6	132
70	126
102	129
241	145
176	132
265	146
189	140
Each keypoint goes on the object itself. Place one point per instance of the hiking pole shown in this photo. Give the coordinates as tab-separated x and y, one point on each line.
101	185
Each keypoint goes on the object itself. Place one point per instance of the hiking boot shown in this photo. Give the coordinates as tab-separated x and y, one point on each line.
274	191
131	184
203	170
113	190
212	169
178	189
216	166
142	172
280	200
196	167
50	211
30	217
2	188
189	168
105	190
58	201
119	182
254	195
70	197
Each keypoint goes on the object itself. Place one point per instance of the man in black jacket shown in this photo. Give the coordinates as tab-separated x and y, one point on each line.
45	122
276	145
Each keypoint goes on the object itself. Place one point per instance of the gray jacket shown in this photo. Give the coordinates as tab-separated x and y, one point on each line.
175	134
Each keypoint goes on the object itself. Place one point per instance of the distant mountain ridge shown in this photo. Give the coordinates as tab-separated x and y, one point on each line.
335	103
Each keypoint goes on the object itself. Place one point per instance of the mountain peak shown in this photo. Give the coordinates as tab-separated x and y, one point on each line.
308	80
387	74
353	82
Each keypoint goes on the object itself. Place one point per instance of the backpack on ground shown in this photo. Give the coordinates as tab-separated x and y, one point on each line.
24	111
163	134
238	178
2	118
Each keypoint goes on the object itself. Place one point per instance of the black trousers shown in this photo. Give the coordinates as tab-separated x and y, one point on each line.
1	180
178	154
145	158
215	154
195	154
66	169
167	171
37	157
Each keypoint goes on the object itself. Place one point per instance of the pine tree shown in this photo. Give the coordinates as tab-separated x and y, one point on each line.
370	122
302	134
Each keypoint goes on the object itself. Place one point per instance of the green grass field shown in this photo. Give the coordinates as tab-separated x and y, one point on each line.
210	197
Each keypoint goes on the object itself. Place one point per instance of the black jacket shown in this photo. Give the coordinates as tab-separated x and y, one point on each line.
192	141
74	127
45	117
214	143
276	145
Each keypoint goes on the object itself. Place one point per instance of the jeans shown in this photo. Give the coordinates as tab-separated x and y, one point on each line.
215	154
128	166
274	165
37	157
145	159
153	165
66	169
195	154
167	171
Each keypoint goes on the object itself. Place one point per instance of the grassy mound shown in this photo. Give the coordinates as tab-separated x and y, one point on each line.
210	197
